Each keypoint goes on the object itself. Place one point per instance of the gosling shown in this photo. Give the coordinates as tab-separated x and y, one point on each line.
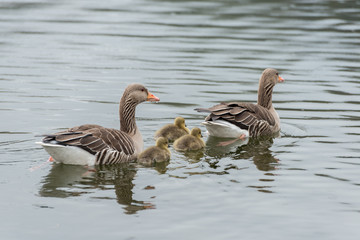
173	131
190	142
154	154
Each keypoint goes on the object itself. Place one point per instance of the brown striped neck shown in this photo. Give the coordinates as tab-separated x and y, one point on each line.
265	93
127	115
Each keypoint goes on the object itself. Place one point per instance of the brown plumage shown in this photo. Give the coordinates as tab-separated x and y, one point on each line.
190	142
251	119
157	153
173	131
107	145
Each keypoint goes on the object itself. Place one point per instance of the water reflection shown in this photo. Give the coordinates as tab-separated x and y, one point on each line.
194	156
69	181
256	149
215	151
259	151
161	167
61	179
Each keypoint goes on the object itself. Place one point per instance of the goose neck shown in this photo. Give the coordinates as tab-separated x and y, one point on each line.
265	95
127	116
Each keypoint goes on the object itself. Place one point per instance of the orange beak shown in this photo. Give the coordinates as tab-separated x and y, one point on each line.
281	79
152	98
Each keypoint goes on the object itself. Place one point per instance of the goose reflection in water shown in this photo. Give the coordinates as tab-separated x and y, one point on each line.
257	149
69	181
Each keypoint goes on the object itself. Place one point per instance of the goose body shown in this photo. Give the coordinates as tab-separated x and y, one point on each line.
241	119
157	153
92	144
173	131
190	142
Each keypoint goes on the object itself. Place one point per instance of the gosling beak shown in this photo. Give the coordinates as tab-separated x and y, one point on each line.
281	79
152	98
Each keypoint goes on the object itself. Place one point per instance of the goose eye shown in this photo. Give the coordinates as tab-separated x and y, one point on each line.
143	90
277	74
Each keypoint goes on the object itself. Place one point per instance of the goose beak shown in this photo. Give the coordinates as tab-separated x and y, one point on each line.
152	98
281	79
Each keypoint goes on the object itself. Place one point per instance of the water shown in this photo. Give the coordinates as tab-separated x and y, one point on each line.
66	63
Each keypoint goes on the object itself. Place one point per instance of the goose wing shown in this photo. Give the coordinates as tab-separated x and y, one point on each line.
94	139
252	117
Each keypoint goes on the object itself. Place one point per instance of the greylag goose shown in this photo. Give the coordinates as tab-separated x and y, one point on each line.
190	142
158	153
173	131
92	144
241	119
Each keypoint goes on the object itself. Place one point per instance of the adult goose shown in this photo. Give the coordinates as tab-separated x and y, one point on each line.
92	144
241	119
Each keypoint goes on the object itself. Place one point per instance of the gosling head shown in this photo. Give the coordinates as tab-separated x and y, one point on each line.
196	132
180	122
162	142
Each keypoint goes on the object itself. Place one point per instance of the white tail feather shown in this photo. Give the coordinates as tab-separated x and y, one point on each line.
221	128
68	154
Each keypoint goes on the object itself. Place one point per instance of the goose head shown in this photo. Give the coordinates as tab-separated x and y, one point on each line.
271	76
138	94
